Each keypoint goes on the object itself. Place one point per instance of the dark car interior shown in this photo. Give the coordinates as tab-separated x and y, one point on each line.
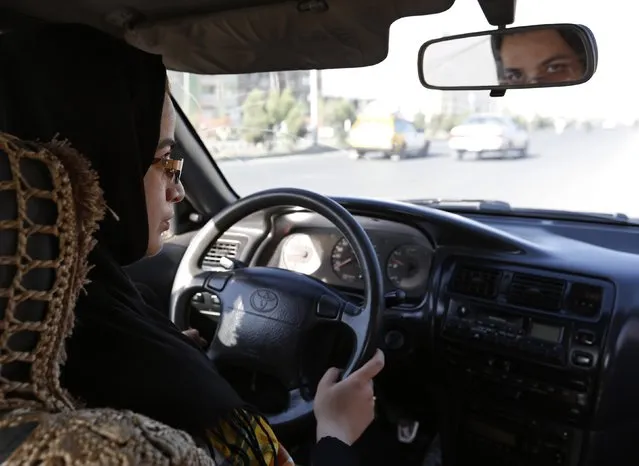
510	338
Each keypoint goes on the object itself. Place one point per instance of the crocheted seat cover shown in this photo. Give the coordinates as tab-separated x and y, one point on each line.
50	205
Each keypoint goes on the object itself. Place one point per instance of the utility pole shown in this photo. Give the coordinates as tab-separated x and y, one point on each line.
186	92
314	101
274	81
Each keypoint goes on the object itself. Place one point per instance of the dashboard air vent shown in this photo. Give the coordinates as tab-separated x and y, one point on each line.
536	292
584	299
221	248
478	282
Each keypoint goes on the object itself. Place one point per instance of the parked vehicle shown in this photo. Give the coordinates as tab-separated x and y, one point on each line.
496	134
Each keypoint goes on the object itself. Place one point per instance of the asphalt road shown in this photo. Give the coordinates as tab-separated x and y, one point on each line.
577	170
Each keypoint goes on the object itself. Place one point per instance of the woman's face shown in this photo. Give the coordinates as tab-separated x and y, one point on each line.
161	189
539	57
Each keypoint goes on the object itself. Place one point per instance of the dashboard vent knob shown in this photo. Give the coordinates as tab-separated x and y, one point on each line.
478	282
536	292
584	299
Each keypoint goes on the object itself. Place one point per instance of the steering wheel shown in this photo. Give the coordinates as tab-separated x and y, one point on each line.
266	312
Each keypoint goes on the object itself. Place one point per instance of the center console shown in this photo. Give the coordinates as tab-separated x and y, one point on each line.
521	373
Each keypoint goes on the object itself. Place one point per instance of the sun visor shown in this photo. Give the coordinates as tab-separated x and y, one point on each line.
310	34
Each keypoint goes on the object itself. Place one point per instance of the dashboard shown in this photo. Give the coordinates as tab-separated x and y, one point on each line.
527	327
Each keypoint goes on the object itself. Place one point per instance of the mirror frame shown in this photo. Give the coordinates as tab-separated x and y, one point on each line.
587	36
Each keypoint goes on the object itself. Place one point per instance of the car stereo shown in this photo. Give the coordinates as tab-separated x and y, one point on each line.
552	340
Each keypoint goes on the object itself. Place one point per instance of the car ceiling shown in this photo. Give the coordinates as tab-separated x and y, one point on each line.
238	36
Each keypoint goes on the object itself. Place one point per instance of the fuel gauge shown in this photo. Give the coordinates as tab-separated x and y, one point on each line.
408	266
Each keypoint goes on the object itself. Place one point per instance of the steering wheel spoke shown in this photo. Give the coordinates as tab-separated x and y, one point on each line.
328	307
298	408
216	281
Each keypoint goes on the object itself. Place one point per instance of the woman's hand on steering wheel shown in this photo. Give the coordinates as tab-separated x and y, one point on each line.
345	409
194	335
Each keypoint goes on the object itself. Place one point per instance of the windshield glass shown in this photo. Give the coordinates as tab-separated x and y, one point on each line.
375	132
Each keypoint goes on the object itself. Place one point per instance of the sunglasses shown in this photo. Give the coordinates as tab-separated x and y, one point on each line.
172	167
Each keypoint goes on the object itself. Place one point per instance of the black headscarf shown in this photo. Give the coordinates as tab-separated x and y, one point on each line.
106	98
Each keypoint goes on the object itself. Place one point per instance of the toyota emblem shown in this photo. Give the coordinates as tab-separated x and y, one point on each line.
264	300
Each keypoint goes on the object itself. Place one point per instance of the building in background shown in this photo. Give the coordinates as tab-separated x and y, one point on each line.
216	100
297	81
219	97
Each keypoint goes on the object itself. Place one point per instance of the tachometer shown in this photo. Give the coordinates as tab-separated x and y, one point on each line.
344	262
408	266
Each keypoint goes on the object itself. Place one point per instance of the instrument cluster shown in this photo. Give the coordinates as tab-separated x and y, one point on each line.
327	256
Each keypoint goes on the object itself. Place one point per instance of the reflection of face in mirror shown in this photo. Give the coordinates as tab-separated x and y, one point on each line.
540	56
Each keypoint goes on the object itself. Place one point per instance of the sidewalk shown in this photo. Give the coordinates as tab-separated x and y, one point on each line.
243	151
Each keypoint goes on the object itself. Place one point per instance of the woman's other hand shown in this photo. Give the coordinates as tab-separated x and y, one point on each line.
345	409
194	335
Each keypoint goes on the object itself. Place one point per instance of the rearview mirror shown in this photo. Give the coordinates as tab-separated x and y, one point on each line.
549	55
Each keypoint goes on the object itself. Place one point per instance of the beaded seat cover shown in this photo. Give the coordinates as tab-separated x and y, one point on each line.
50	206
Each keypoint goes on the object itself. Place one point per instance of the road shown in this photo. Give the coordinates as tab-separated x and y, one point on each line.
577	170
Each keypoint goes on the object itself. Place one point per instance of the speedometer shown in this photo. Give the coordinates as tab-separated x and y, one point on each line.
299	254
408	266
344	263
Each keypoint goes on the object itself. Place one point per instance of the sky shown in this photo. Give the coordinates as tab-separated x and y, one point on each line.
607	95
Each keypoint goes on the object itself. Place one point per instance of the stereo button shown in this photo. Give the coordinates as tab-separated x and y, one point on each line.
582	359
582	399
585	337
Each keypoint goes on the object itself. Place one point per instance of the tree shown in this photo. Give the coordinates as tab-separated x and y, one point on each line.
278	106
444	122
256	123
419	121
283	107
296	120
520	120
542	122
335	112
264	114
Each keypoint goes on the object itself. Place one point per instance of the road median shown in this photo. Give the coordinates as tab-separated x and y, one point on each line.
252	152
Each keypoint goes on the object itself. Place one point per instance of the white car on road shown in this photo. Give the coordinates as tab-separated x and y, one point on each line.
482	134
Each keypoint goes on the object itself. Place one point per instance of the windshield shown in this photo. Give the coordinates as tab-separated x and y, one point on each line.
375	132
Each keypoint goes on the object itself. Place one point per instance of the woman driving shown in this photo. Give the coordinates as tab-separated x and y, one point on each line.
110	101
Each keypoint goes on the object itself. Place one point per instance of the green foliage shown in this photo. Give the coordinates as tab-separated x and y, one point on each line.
540	122
419	121
446	122
256	123
264	113
334	112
